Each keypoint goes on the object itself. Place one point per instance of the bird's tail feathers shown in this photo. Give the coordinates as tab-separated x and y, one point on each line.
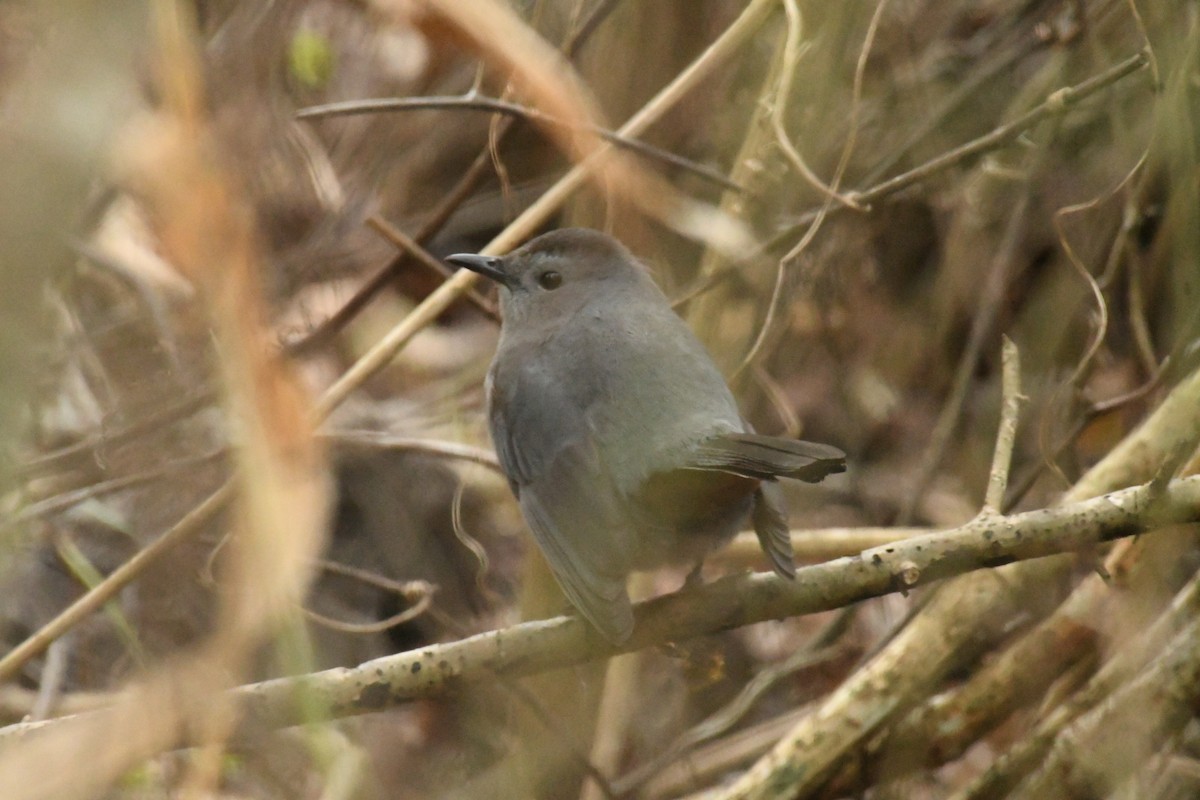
753	455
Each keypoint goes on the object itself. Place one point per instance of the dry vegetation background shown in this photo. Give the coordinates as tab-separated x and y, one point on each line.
242	407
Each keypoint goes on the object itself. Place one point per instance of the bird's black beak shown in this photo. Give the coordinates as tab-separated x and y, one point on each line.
487	266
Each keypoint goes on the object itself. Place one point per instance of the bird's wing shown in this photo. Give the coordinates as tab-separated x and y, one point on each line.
574	518
566	496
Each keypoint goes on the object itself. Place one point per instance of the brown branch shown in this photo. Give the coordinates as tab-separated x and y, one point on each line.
1103	747
65	500
731	602
1058	103
1031	750
405	244
1007	434
496	105
961	617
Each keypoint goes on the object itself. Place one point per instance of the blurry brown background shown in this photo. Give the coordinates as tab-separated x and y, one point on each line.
1078	237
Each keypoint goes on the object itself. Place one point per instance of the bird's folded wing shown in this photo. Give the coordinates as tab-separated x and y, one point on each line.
766	457
568	499
583	535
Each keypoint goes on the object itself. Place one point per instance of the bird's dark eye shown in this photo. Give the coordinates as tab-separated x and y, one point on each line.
550	280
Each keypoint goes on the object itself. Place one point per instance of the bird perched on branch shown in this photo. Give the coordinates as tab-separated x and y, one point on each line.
619	436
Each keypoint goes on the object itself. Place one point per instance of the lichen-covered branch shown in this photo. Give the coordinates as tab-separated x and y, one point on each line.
1103	747
731	602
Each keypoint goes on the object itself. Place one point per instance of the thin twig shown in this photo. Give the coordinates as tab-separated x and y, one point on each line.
967	89
793	48
728	715
65	500
1006	436
1089	414
406	589
846	201
1072	388
406	244
52	679
1056	104
496	105
1101	331
1139	328
419	593
715	761
778	400
987	311
482	560
85	572
93	448
433	447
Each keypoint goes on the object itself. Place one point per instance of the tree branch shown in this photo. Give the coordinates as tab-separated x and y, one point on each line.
959	620
1006	436
1035	746
1057	103
730	602
496	105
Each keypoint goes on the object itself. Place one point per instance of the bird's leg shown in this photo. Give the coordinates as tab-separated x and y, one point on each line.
694	577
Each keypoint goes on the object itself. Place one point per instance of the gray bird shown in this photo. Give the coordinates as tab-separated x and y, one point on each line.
620	439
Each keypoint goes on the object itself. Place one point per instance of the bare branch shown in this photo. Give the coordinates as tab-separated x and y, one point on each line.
1054	105
1007	434
496	105
731	602
1025	755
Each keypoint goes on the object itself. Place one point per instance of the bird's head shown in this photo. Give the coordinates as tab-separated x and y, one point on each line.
557	272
